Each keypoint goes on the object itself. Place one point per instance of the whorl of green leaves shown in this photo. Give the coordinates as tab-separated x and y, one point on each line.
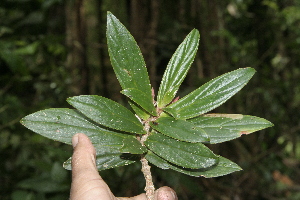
177	130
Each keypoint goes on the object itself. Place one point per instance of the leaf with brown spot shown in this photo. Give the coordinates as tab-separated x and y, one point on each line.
225	127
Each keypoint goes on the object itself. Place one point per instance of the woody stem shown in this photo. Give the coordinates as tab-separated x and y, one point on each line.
149	188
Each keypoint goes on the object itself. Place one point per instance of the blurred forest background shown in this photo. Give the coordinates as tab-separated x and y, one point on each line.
53	49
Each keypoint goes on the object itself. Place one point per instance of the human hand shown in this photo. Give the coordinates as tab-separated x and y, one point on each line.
87	184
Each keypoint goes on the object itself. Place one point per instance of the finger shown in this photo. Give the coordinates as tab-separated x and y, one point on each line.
163	193
86	181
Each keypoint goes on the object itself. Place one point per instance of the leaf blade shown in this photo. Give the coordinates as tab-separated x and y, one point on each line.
157	161
210	95
104	161
107	113
128	63
223	167
177	68
225	127
189	155
179	129
133	146
61	124
141	113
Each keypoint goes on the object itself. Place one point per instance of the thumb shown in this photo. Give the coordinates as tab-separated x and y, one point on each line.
84	154
86	180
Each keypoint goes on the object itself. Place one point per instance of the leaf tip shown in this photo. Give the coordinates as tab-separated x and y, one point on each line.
196	31
109	14
251	70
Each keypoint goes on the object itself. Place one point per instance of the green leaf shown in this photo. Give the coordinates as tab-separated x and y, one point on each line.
133	146
106	160
107	113
179	129
177	68
42	184
14	61
128	63
189	155
61	124
223	167
141	113
157	161
225	127
210	95
142	97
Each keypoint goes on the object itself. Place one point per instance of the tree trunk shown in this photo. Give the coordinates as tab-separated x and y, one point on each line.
75	41
143	27
211	46
94	35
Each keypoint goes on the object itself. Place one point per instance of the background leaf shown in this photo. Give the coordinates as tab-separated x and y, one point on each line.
210	95
128	63
107	113
42	184
189	155
224	127
179	129
177	68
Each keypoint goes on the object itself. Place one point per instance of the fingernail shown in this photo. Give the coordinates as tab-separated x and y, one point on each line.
75	140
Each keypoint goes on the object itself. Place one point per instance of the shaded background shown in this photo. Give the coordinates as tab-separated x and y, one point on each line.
53	49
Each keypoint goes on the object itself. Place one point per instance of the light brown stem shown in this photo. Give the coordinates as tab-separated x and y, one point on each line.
149	188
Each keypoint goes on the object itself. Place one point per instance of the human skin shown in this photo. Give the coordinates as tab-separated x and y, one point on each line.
87	183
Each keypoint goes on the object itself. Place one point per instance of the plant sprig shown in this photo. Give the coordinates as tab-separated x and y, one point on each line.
170	133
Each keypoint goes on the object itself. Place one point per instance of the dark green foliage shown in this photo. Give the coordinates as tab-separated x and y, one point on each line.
173	139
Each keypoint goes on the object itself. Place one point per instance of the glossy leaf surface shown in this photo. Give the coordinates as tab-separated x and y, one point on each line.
157	161
133	146
179	129
223	167
142	97
210	95
177	68
61	124
105	160
107	113
141	113
224	127
128	63
185	154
